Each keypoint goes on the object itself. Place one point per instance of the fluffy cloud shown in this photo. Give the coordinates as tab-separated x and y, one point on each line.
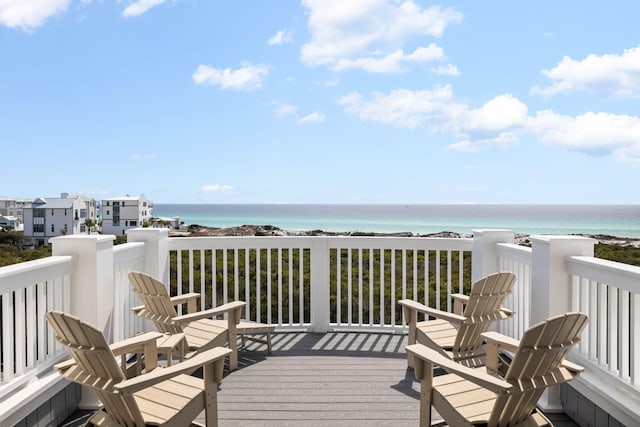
612	75
29	14
217	188
140	6
392	62
400	108
281	37
501	122
370	34
283	109
248	77
445	70
314	117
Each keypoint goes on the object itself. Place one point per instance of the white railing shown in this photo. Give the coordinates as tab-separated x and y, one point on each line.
321	283
127	257
517	260
609	293
27	291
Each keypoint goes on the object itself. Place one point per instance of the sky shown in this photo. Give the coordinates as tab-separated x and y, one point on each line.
321	101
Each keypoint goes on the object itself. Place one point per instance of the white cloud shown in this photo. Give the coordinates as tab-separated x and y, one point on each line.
217	188
248	77
596	133
370	33
314	117
501	122
445	70
140	7
281	37
27	15
612	75
283	109
401	107
501	112
392	62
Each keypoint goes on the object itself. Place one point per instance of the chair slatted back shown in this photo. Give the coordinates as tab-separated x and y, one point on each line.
542	350
483	307
156	300
96	365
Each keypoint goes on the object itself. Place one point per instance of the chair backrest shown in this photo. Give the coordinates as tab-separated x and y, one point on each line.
482	308
156	301
537	362
95	365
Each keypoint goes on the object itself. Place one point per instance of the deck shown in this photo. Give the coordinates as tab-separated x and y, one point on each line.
333	379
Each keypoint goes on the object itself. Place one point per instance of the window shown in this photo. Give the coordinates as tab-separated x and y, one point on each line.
116	223
38	213
38	228
53	228
51	212
65	212
108	213
82	228
83	213
133	223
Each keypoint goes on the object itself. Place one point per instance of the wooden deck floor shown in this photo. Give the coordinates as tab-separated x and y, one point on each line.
334	379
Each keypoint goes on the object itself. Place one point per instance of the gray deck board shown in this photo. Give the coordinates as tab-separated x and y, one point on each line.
333	379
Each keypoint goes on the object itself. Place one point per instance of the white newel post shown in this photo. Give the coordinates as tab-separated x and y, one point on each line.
320	284
156	258
485	259
92	283
551	286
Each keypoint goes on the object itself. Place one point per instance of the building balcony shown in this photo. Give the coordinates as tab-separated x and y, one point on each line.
339	292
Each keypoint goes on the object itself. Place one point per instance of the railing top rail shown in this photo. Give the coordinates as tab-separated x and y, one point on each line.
514	251
31	272
623	276
266	242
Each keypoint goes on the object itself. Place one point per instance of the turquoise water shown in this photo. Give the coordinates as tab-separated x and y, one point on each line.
615	220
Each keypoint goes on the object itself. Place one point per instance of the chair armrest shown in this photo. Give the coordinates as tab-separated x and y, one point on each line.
191	299
462	297
495	384
134	344
187	367
502	341
212	312
421	308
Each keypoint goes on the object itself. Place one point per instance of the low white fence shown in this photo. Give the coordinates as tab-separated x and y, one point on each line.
27	291
517	260
321	283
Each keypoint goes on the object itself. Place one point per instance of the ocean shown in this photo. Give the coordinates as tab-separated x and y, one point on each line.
614	220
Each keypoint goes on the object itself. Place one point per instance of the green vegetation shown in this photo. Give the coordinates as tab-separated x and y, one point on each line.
12	250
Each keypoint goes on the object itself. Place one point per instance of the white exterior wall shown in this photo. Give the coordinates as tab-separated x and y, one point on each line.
134	211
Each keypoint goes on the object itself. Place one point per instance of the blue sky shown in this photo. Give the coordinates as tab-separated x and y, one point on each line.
321	101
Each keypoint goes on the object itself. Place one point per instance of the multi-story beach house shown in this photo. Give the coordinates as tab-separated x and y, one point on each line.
13	207
52	217
122	213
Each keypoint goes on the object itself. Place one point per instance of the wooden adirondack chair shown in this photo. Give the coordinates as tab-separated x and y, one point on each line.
162	396
458	335
470	397
201	330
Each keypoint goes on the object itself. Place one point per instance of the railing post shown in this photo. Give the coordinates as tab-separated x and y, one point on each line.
551	286
320	284
156	255
92	283
92	277
485	259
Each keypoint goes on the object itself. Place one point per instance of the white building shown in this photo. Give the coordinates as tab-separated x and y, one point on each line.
122	213
51	217
8	221
14	207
